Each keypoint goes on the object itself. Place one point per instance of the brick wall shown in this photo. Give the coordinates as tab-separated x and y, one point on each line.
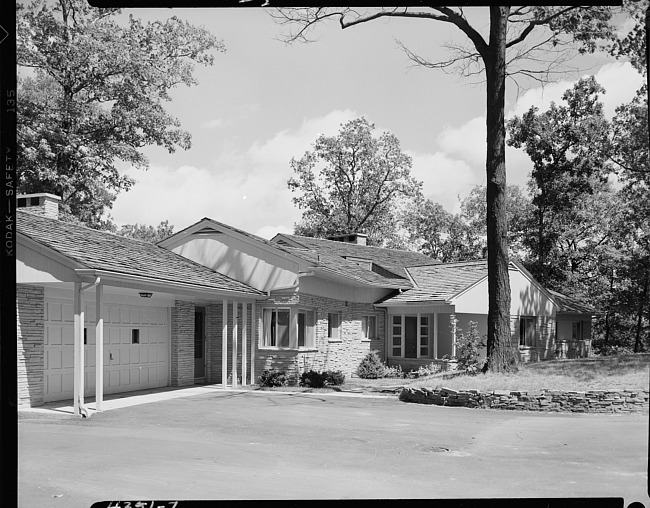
182	344
344	354
30	320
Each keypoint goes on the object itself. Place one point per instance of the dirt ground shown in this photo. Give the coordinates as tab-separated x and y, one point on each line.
264	445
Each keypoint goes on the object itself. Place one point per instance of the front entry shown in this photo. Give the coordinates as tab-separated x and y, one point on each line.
199	344
411	337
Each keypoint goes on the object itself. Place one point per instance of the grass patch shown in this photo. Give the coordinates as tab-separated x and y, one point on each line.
597	373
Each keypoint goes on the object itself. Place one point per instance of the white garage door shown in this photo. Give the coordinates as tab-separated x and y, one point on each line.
136	349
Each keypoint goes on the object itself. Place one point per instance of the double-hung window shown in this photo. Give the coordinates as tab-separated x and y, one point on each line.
526	331
306	328
334	326
276	327
368	327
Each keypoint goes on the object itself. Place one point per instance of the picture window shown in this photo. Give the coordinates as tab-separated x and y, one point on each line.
333	326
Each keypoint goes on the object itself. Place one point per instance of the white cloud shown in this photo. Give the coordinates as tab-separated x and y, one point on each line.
213	124
244	187
620	81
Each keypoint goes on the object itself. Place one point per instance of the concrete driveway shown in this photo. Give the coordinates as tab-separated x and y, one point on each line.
216	444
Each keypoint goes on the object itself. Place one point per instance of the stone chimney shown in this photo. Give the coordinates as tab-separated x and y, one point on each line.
42	203
356	238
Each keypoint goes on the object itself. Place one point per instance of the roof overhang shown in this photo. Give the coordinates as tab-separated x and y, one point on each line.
151	284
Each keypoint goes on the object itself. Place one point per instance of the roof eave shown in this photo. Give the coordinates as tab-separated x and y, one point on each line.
167	286
328	274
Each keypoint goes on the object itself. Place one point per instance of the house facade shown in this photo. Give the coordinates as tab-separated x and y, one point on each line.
215	304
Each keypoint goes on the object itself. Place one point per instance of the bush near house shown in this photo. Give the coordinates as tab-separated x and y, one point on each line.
371	367
467	349
315	379
274	378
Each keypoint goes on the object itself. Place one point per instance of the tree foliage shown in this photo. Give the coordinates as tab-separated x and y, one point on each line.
92	94
353	183
147	233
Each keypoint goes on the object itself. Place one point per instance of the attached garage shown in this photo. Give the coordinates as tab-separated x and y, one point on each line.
86	298
136	348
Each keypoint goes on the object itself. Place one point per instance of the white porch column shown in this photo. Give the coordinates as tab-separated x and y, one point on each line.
253	341
435	335
235	313
244	339
99	350
78	373
453	336
224	346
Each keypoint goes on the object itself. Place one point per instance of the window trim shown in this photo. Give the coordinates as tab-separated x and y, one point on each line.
522	336
293	328
365	335
330	328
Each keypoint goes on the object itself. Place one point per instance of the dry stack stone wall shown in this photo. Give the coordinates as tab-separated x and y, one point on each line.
592	401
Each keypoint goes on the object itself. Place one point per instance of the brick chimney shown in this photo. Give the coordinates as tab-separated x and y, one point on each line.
42	203
356	238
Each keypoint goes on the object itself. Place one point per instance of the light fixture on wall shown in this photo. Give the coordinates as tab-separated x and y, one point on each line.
145	294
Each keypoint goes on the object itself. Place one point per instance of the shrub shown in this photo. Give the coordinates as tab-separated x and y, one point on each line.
273	378
394	372
315	379
467	349
371	367
334	377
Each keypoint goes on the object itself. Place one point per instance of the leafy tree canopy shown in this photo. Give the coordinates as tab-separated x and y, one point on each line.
147	233
353	183
92	93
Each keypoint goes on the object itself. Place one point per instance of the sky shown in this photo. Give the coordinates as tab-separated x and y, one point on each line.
264	102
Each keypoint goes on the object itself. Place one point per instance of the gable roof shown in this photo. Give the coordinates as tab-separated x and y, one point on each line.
570	305
446	281
441	282
394	261
121	256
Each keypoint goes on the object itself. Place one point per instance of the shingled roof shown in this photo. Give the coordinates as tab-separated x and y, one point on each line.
570	305
441	282
392	260
100	250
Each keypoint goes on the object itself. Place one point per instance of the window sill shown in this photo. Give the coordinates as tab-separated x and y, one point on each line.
289	349
334	341
367	340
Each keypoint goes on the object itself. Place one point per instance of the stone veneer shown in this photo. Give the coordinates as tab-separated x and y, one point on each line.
30	320
182	344
344	354
592	401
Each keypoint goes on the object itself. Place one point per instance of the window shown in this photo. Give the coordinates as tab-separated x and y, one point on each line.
527	331
306	328
577	331
135	336
276	327
333	325
424	336
85	336
369	327
396	335
288	328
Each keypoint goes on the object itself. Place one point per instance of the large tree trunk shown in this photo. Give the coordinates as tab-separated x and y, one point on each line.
500	357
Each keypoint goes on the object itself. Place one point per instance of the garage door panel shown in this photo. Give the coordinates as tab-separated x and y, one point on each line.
133	366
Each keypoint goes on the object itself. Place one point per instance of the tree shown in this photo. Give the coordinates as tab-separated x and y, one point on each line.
570	147
503	49
92	93
353	183
147	233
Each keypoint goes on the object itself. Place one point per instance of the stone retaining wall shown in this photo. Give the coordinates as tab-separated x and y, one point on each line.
592	401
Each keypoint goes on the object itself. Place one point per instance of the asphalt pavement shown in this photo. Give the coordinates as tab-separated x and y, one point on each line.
206	443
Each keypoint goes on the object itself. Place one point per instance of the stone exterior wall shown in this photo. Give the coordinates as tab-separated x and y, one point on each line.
343	354
592	401
30	321
545	347
182	344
